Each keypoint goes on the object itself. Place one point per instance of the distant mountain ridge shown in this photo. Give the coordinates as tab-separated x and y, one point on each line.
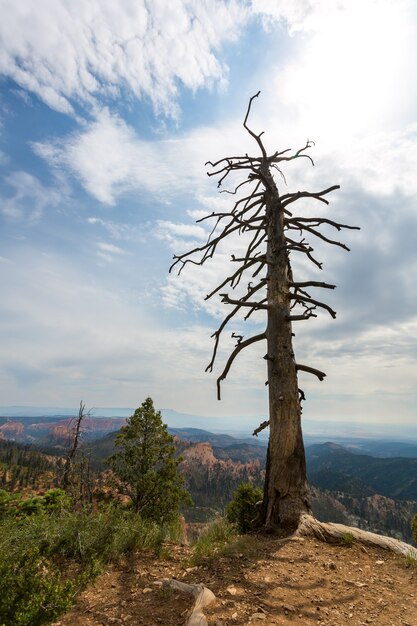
392	477
349	433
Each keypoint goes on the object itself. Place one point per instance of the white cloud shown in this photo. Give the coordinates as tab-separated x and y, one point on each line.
352	61
108	251
30	198
181	236
109	247
296	14
119	230
66	50
110	159
371	374
88	341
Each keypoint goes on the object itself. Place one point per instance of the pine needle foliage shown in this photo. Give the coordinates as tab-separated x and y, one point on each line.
146	467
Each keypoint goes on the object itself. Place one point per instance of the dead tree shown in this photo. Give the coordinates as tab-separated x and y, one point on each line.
274	233
75	439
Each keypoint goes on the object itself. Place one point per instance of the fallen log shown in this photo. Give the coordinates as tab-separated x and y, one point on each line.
331	532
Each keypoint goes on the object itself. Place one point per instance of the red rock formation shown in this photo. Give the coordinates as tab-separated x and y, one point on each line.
12	430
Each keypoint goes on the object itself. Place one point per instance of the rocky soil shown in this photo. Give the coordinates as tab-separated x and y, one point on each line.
258	581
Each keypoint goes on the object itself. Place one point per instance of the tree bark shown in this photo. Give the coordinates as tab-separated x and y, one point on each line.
285	489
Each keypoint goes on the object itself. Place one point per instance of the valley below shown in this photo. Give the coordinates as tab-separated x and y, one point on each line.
359	482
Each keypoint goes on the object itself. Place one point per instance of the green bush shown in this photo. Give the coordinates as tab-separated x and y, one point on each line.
33	591
414	529
16	505
242	510
7	503
347	539
47	557
212	540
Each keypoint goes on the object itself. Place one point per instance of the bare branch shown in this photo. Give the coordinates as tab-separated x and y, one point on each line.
300	246
316	233
293	197
310	370
254	135
306	316
277	157
238	337
233	279
75	441
312	283
260	428
235	190
216	335
323	305
258	307
321	220
241	346
257	257
255	305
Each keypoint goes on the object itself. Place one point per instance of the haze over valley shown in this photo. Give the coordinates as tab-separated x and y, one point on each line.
368	481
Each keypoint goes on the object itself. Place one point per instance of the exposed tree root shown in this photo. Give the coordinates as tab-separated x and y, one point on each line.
203	597
330	532
309	526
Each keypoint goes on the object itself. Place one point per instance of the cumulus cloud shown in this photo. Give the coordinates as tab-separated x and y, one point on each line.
70	50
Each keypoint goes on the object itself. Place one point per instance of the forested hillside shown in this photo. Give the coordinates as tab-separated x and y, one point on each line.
24	468
364	491
330	466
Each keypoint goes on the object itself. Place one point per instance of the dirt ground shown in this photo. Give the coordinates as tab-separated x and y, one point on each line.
260	581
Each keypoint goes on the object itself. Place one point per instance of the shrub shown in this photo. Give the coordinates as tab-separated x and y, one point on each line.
212	540
7	503
17	505
414	528
347	539
38	551
242	510
410	560
33	589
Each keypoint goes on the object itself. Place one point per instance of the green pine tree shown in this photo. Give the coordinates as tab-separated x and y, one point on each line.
146	467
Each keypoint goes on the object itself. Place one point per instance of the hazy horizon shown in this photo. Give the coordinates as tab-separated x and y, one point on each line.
230	424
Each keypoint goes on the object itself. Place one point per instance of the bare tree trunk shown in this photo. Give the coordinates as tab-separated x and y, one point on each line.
71	454
285	490
265	217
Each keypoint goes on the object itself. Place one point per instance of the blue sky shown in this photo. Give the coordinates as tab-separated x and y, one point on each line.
108	112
